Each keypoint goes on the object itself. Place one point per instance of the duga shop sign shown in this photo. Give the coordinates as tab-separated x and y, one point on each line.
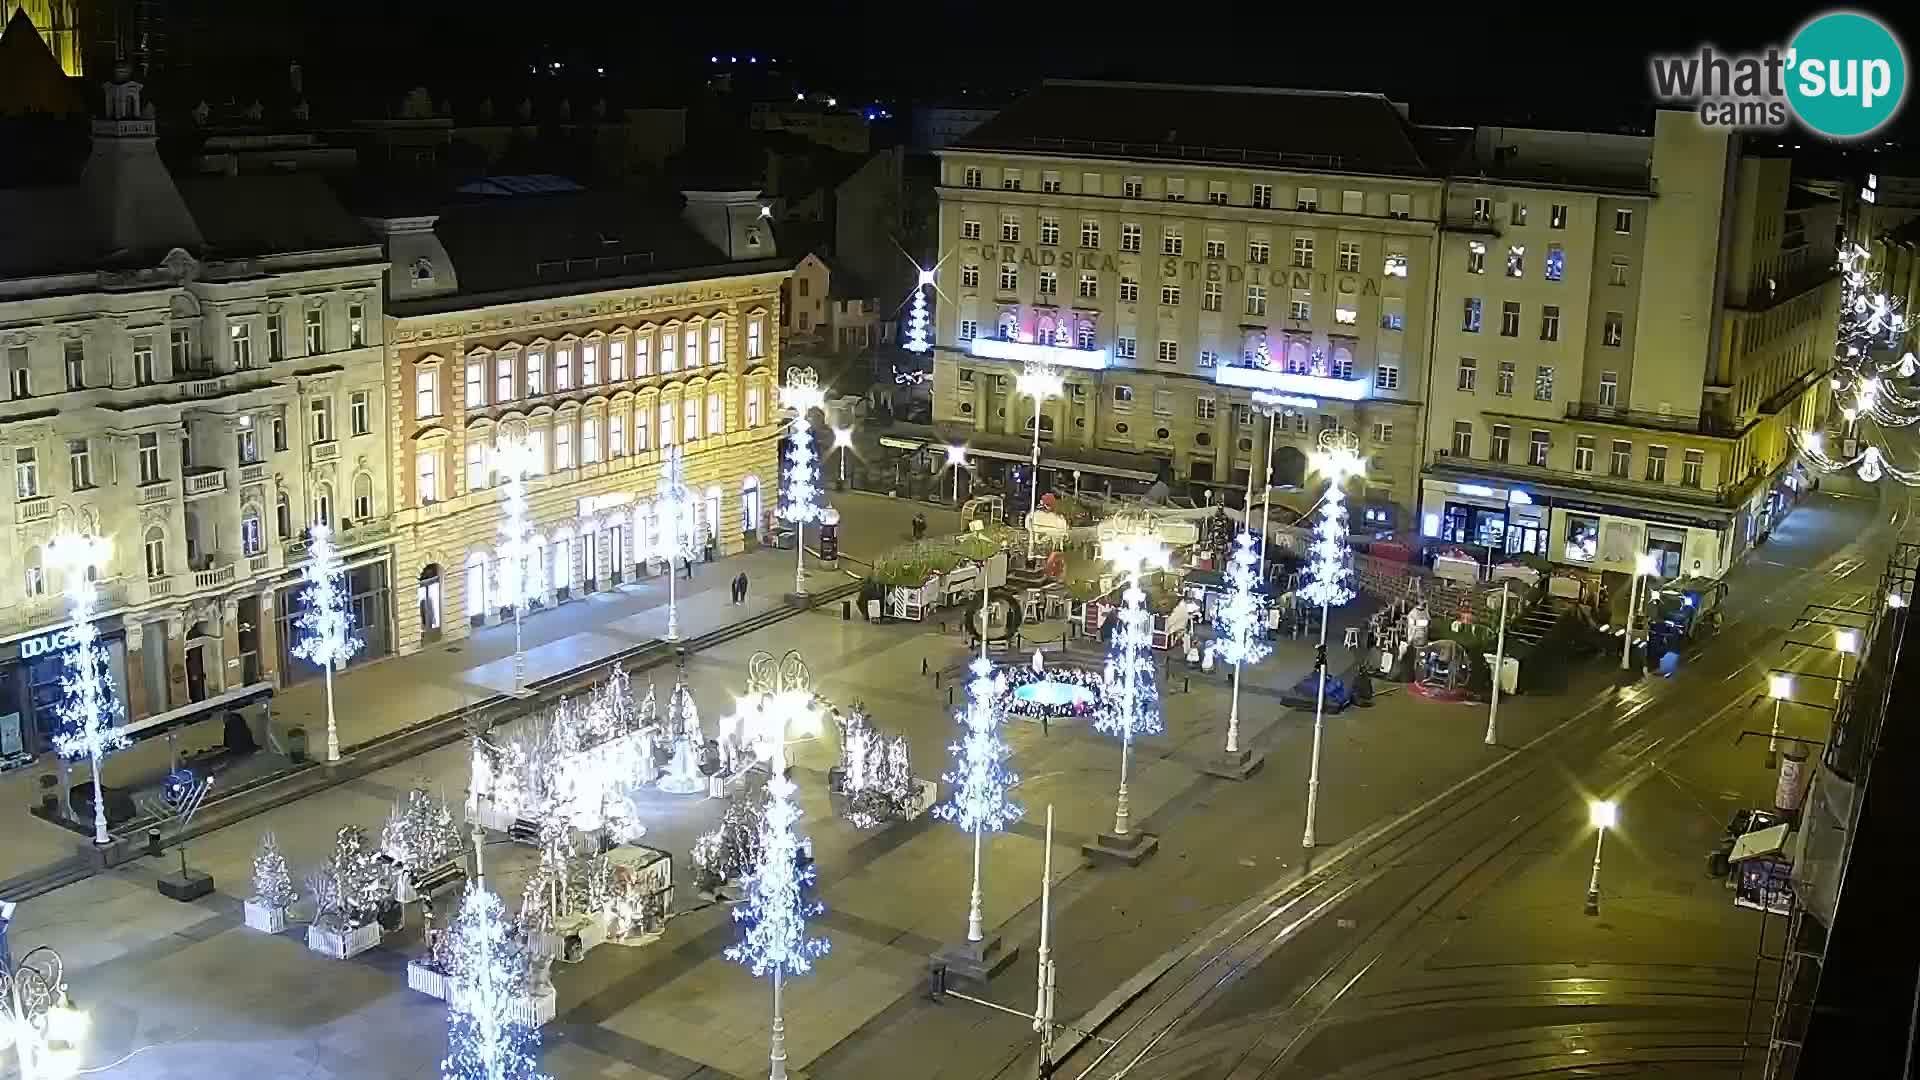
48	643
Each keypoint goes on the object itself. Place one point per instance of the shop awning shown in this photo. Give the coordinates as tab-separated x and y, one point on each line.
173	719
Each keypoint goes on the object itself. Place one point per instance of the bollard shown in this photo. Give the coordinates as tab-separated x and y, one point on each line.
923	665
846	611
153	840
936	680
949	695
1186	685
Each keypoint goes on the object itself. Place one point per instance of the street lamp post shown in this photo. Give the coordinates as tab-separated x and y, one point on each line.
45	1027
956	460
88	709
1644	564
675	513
801	393
1604	814
1779	688
843	441
1339	460
1131	707
1038	381
1499	665
1846	643
514	458
1273	407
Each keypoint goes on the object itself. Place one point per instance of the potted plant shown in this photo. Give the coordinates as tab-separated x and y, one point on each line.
273	891
420	837
348	892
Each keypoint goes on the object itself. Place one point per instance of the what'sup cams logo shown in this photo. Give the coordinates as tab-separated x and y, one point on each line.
1844	75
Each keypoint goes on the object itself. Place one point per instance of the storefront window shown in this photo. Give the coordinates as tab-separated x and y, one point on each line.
1583	538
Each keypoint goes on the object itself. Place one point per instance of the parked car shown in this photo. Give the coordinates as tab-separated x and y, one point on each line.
1743	822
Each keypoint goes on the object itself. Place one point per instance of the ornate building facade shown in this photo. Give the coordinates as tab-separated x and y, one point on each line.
662	329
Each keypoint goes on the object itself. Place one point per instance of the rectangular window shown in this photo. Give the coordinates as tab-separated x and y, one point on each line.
1556	262
1395	264
1609	387
1171	241
1462	438
280	432
690	418
80	463
1393	313
357	324
1129	237
969	230
1617	272
479	478
1656	464
1386	376
1204	408
562	444
476	383
1170	295
320	420
1009	230
1133	187
1163	403
716	413
1207	359
1623	221
1502	439
1010	179
427	473
1516	260
1263	196
1089	233
1543	383
670	350
360	412
1009	277
1469	374
1089	285
276	336
1470	316
1583	538
503	378
1086	337
1210	297
969	329
426	393
1583	453
1177	189
143	370
1509	319
247	446
1300	307
316	331
1620	459
1537	448
616	360
20	371
970	177
1517	213
643	423
1342	367
590	364
589	440
1169	352
1050	231
970	276
1476	257
1382	433
1353	202
1692	464
74	357
1216	193
1049	283
26	475
691	354
1613	329
1216	249
1349	257
1346	308
180	349
1123	397
1550	322
149	456
1050	183
1129	291
1504	387
1303	252
1306	198
617	434
1400	206
536	373
1259	251
1126	347
1557	216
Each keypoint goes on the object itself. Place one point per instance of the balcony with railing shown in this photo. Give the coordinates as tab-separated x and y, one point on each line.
1718	427
214	576
253	472
348	539
204	481
157	491
321	452
51	609
36	508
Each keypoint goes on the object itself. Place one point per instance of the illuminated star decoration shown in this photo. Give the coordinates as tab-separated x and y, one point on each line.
328	637
917	340
1238	619
979	778
486	1039
777	906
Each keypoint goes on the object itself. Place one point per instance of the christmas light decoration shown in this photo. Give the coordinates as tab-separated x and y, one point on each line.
1338	459
1074	706
1038	381
776	910
421	833
88	711
1132	704
272	883
917	339
979	777
684	734
1238	620
486	1038
350	887
515	458
801	393
328	635
676	512
876	774
731	849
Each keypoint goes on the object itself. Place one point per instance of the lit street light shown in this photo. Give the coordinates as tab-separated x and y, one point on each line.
515	457
1604	815
801	393
1779	688
1846	643
1499	665
39	1016
88	708
956	460
1039	382
843	442
1338	459
1132	703
1644	564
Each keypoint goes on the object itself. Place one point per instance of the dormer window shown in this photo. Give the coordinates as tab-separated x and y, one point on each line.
423	271
753	237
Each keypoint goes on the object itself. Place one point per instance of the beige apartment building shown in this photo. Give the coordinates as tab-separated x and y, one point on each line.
603	328
1175	250
193	372
1627	329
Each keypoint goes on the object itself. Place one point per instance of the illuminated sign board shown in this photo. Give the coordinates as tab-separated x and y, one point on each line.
46	643
1259	378
1024	351
1293	401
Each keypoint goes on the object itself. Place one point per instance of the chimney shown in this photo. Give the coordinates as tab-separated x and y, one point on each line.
736	222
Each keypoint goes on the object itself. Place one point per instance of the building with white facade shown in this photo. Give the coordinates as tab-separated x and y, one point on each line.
603	329
1626	329
1176	249
192	371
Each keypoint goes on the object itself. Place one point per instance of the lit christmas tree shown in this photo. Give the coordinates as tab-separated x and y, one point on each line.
1238	621
272	883
801	393
486	1039
777	907
1130	702
328	636
731	850
979	777
89	714
917	339
421	833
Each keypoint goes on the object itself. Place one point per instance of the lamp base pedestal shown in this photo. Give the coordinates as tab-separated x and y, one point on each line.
1234	766
186	885
975	961
1132	849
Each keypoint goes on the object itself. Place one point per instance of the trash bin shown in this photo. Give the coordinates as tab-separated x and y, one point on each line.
297	745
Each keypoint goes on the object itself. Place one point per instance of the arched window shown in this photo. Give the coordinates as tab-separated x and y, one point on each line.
427	596
1297	362
1009	326
362	497
476	584
282	516
252	531
156	549
323	503
36	580
1342	362
749	504
563	560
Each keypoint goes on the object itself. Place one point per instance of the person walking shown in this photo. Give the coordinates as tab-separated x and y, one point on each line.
688	565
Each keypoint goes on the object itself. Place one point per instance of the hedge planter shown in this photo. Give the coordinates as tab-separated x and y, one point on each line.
266	919
343	944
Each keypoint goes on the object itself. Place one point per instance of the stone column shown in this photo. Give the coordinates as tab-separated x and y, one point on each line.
176	658
268	636
229	663
136	703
